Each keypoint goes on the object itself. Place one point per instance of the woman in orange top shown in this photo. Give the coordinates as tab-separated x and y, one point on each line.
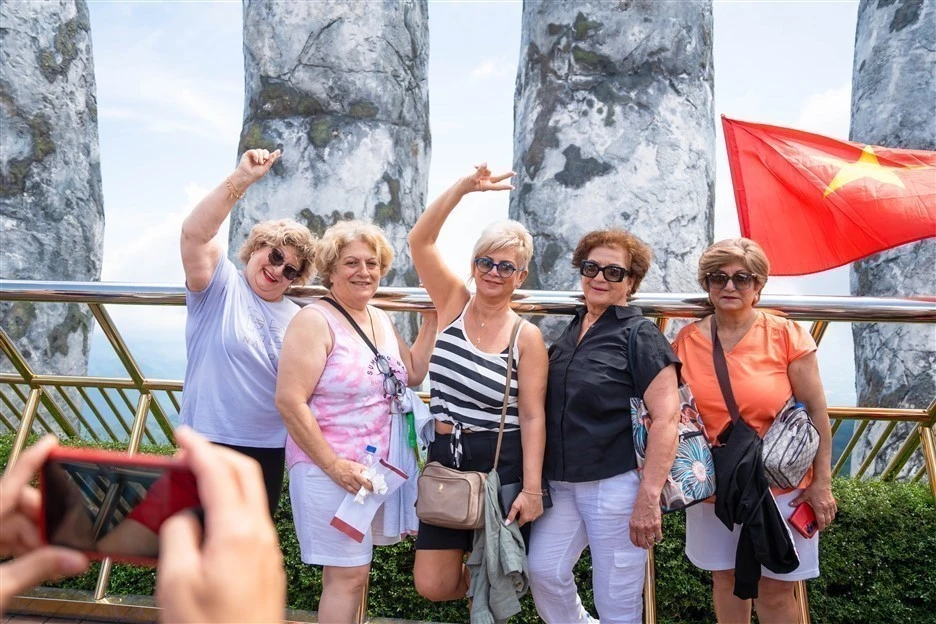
769	360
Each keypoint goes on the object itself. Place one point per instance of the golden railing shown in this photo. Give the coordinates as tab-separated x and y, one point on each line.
117	409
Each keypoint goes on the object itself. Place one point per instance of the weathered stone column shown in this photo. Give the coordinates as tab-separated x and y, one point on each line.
342	88
614	126
51	204
893	85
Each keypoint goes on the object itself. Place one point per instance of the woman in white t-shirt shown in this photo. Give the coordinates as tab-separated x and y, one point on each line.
237	320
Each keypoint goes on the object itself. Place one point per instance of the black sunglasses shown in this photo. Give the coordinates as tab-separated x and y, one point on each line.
277	258
612	272
393	388
741	279
486	265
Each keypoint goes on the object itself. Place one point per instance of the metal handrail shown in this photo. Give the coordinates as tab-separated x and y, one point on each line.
37	396
673	305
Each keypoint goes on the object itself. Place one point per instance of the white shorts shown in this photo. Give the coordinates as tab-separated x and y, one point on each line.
711	546
315	498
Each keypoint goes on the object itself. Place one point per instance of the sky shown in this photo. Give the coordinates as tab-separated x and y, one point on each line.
170	98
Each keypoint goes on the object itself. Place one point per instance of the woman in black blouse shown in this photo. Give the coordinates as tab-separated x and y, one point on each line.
598	498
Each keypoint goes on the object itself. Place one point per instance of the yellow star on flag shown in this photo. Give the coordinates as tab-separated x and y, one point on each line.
867	166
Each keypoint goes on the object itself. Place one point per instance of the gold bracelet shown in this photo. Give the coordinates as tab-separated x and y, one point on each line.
532	493
331	463
235	194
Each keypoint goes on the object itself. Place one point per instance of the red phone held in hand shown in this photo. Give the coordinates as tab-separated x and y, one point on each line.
110	504
804	521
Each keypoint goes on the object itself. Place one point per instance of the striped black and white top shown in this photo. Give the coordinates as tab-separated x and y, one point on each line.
467	385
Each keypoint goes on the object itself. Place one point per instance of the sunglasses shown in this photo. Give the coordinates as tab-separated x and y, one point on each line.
486	265
741	280
612	272
393	388
277	258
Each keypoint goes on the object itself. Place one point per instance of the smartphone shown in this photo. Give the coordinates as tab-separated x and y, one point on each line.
110	504
803	519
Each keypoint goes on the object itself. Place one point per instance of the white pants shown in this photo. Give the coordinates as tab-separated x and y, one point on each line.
595	514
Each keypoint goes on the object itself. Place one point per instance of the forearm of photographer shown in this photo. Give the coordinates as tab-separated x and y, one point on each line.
230	570
20	506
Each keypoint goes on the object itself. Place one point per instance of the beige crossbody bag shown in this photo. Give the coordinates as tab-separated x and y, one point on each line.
453	498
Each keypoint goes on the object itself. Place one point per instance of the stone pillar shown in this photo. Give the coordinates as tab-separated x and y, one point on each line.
51	203
614	126
893	83
342	88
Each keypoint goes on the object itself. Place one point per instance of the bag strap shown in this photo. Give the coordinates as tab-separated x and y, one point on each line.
721	371
354	324
510	361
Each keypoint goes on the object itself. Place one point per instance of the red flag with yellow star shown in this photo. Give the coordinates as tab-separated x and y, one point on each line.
815	203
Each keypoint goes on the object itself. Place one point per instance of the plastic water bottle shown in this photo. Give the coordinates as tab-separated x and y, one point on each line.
370	456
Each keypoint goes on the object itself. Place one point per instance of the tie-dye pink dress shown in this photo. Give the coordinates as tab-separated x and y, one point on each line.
349	402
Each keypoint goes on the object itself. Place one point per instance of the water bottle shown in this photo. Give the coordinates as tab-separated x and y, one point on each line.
370	456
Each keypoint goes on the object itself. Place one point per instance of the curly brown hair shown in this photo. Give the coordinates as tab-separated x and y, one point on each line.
640	253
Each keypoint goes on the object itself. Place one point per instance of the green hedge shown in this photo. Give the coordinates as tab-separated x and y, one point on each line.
878	565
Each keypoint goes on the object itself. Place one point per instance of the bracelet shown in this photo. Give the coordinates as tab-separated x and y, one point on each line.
235	194
532	492
332	463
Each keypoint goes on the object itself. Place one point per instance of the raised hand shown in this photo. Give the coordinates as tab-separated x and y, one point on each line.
483	180
255	164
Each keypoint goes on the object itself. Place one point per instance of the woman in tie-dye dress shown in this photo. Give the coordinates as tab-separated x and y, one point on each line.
336	397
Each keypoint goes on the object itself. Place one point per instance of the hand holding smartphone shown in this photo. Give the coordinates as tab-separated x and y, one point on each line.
110	504
803	519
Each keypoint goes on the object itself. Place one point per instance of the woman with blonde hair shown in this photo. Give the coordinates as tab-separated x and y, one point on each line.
468	376
769	359
237	320
337	397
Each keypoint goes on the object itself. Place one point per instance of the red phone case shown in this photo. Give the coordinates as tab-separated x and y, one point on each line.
803	519
171	465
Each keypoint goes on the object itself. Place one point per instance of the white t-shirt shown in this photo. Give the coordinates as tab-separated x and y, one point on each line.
233	340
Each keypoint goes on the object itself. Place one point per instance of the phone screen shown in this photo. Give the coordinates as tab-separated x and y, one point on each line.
113	508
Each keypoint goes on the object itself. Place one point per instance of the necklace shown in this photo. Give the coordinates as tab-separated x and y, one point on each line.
478	321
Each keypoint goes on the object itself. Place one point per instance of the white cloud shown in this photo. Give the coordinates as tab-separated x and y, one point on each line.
494	68
151	254
827	113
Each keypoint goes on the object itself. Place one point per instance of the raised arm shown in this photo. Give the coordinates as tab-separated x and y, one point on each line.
200	252
416	359
447	291
302	360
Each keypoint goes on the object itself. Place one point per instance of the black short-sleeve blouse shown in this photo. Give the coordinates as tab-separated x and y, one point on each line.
588	422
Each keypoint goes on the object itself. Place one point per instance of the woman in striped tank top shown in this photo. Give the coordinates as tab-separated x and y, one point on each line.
468	373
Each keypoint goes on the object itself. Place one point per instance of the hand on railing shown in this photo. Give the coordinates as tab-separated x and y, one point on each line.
19	531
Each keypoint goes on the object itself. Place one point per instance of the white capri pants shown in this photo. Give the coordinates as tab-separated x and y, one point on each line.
595	514
711	546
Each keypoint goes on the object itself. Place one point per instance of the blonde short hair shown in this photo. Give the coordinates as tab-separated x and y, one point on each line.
338	236
742	250
283	233
502	235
